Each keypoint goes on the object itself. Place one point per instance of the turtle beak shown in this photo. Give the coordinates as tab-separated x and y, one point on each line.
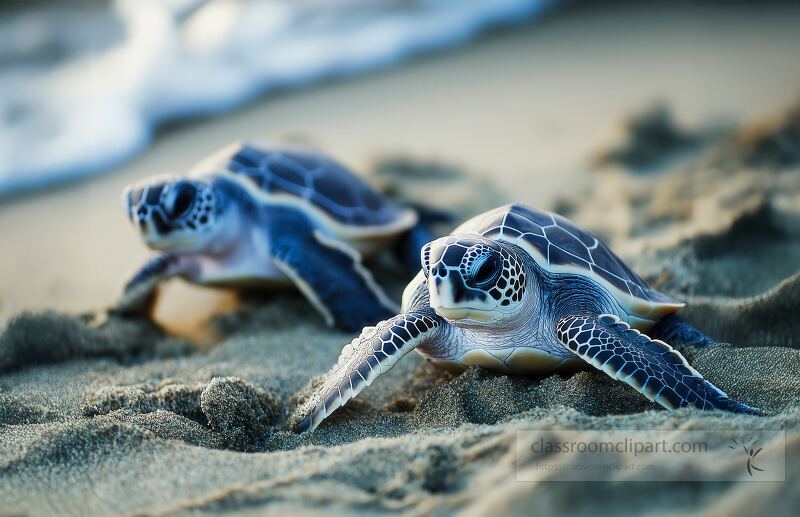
463	313
127	203
441	301
136	213
446	286
450	297
440	292
131	199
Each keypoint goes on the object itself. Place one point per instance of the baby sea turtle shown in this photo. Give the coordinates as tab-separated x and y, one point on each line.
251	215
523	291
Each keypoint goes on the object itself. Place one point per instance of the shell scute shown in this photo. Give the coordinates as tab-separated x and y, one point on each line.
557	255
566	242
305	160
313	178
286	174
558	245
513	221
328	187
539	218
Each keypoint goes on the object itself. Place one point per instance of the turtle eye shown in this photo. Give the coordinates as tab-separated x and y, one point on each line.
183	199
487	272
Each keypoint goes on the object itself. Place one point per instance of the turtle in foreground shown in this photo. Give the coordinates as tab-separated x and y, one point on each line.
524	291
255	215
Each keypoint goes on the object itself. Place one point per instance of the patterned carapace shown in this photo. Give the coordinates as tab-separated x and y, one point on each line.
312	176
559	242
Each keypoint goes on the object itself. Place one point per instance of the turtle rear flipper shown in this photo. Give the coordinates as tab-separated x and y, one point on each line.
328	272
652	367
673	329
368	356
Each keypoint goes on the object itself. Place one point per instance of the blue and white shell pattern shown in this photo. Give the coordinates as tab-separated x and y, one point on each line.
559	246
311	180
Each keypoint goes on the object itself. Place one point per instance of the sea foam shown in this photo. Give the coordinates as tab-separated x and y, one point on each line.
69	109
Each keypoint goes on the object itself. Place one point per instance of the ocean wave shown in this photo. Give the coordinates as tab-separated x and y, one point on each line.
83	92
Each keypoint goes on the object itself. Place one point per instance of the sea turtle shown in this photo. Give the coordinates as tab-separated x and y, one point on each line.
524	291
271	215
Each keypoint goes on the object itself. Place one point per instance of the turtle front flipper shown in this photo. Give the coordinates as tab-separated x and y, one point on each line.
652	367
371	354
329	273
140	292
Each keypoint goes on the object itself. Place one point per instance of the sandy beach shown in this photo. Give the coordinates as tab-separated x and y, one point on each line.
192	415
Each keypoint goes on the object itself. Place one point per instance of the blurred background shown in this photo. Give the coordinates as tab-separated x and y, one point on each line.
96	94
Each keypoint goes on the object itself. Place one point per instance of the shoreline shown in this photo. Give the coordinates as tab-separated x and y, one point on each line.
541	152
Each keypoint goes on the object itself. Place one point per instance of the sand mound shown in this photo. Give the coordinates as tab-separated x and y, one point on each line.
751	256
650	138
408	180
772	143
238	414
761	320
51	337
170	396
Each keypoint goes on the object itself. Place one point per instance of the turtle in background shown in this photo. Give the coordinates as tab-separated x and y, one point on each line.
257	215
524	291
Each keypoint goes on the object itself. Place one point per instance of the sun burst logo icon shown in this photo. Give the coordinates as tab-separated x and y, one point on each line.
751	449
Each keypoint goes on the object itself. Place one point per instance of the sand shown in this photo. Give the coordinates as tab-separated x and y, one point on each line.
107	415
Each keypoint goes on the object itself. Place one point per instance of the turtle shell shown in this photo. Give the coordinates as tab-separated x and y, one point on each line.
311	179
558	245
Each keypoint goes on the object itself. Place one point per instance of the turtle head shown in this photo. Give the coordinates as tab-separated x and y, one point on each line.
176	214
473	280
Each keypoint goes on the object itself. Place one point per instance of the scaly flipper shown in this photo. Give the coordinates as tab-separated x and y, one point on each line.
369	355
652	367
139	294
329	273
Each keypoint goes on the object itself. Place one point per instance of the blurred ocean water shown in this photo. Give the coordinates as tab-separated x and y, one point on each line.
82	89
